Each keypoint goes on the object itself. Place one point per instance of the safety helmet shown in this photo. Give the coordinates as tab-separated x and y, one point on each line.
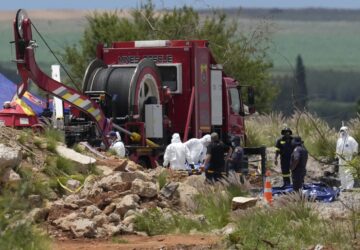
296	141
285	130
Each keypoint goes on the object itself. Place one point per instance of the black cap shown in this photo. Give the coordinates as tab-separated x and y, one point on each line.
285	130
296	140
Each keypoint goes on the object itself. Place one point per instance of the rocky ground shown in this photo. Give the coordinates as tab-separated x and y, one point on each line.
105	205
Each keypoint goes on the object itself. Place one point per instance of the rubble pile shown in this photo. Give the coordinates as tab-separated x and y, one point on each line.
106	205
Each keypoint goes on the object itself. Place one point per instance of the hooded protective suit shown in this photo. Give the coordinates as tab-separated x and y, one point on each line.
117	144
346	147
176	154
197	148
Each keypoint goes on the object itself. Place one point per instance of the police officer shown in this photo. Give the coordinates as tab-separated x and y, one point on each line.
214	164
298	162
284	148
236	158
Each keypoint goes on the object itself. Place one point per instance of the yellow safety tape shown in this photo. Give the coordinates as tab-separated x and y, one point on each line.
68	189
78	101
90	110
67	96
76	190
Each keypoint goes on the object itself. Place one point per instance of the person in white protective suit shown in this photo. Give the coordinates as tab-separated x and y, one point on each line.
346	148
116	144
177	154
197	148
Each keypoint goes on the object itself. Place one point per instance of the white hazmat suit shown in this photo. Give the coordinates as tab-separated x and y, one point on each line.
117	145
346	148
176	154
197	148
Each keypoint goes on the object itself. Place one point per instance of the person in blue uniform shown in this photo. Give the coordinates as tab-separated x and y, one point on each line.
284	149
298	162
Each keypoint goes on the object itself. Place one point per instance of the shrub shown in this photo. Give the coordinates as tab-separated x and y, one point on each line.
54	134
15	231
154	222
24	236
65	165
214	201
162	178
292	225
78	148
264	129
318	137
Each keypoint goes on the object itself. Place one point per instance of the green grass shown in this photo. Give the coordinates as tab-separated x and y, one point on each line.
78	148
292	225
213	202
323	45
162	179
119	240
155	222
15	231
318	136
24	236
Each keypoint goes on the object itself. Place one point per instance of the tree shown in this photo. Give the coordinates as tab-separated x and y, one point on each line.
300	89
244	58
283	101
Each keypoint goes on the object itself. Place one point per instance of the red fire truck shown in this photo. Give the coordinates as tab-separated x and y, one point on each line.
146	89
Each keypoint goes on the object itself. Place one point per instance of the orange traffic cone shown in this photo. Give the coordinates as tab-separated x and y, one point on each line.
268	188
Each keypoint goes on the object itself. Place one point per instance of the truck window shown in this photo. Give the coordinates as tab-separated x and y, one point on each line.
169	77
234	100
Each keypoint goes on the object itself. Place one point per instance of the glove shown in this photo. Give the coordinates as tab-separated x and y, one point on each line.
165	163
202	168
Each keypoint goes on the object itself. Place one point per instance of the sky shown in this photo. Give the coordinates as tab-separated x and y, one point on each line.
197	4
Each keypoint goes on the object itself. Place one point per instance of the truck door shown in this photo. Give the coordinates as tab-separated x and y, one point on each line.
235	111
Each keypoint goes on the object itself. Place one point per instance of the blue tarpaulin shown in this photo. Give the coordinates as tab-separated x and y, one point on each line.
314	191
8	91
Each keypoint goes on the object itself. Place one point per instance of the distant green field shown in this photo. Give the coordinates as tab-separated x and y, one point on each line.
323	44
57	34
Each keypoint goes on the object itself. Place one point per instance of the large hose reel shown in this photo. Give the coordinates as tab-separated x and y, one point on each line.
128	87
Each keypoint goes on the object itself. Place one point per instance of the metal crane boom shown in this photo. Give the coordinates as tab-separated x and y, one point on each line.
29	70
